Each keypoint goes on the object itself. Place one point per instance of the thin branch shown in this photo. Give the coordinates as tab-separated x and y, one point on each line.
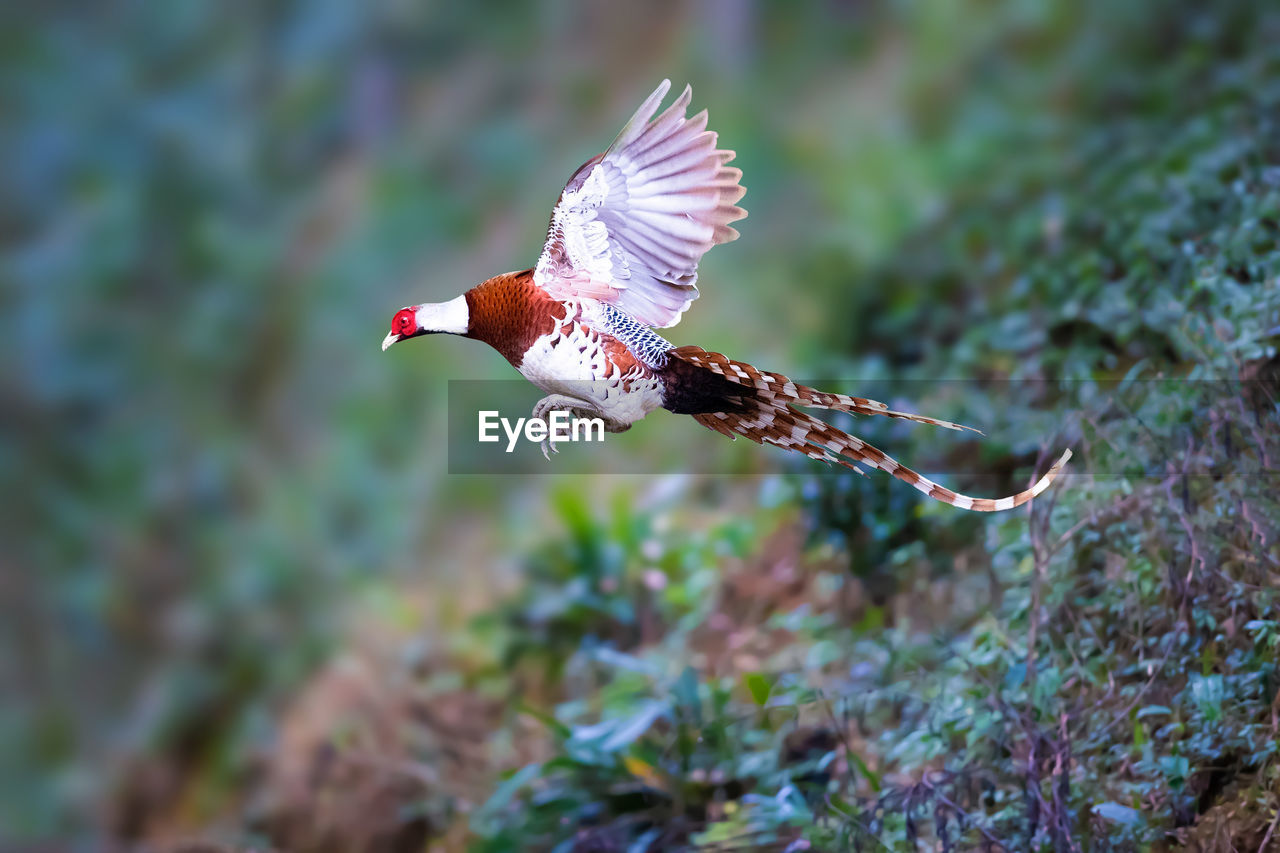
946	801
1266	839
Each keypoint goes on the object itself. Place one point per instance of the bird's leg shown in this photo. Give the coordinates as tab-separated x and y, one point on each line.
577	408
558	402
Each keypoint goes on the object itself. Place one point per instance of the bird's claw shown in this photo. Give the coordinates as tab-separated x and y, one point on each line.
549	447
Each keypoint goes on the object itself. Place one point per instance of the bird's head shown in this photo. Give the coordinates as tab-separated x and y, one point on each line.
452	317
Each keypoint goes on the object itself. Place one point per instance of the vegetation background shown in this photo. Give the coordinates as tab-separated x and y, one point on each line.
245	606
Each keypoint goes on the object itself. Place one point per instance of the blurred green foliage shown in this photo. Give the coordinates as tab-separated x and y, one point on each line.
217	481
1110	682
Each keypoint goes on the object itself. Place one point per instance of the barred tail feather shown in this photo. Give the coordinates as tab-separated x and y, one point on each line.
766	414
774	387
795	430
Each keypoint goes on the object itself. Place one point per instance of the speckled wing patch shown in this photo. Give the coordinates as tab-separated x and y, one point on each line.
645	344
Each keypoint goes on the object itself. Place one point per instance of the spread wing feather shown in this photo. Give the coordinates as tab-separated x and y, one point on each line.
633	222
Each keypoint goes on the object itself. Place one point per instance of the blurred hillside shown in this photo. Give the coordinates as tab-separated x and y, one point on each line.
244	602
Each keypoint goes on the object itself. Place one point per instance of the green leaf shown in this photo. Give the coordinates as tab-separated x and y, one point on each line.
686	692
624	661
1177	769
872	778
645	842
628	730
759	686
503	795
560	729
1117	813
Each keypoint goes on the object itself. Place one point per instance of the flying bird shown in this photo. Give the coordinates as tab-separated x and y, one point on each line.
621	259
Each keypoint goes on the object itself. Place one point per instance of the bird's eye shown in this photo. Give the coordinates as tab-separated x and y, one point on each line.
404	322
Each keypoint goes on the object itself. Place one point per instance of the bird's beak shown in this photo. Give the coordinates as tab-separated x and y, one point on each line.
389	340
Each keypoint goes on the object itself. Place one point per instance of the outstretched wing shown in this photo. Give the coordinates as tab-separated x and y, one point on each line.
633	222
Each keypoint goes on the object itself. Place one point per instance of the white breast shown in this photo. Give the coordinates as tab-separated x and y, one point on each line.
571	361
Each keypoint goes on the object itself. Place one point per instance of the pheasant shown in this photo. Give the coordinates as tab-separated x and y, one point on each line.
621	259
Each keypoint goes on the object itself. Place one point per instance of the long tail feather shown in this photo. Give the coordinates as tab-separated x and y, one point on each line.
795	430
770	417
773	386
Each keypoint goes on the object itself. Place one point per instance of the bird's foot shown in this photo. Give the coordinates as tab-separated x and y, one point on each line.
576	408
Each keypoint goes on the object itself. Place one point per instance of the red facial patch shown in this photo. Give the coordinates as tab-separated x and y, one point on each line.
405	322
